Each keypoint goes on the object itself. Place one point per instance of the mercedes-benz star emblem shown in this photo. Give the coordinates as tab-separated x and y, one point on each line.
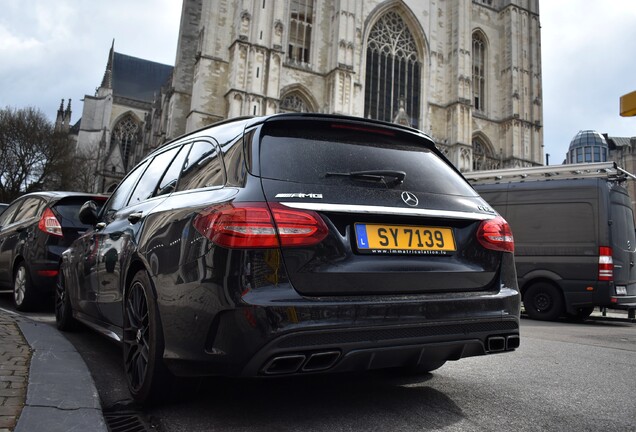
409	199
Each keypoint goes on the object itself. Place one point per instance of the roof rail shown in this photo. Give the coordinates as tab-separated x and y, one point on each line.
608	170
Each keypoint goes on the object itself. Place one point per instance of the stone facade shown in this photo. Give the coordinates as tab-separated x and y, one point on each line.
467	72
476	87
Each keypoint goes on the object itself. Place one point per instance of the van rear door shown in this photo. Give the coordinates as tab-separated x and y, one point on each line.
623	240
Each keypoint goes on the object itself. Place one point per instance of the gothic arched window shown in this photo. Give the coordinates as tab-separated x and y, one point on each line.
479	80
125	135
300	24
294	103
483	156
393	71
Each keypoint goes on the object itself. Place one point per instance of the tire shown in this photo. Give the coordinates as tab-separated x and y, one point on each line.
143	342
581	314
23	295
63	309
543	301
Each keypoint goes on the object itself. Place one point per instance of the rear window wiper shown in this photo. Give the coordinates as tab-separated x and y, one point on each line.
396	177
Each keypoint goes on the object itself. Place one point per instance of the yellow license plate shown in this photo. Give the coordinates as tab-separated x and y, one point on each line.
405	239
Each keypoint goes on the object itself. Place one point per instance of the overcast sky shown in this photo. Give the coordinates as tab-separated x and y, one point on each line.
51	50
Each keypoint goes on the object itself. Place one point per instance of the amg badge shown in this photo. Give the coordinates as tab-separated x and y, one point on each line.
299	195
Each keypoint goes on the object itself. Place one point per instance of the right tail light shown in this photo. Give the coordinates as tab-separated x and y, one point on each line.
495	234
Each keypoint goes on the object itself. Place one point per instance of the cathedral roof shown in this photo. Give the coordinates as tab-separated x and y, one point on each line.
136	78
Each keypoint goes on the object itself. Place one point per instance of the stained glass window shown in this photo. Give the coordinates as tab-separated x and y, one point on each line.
479	81
393	71
300	24
125	134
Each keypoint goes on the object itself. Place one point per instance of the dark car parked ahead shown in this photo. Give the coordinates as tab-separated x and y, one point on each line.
34	231
293	244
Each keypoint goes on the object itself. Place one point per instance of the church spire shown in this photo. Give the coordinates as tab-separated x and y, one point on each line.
107	81
59	120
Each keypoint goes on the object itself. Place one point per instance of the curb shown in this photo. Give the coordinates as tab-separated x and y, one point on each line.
61	394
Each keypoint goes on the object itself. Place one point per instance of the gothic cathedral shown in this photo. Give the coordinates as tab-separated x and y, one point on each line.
467	72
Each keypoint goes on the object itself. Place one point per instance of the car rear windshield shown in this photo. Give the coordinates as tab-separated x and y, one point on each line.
323	152
68	210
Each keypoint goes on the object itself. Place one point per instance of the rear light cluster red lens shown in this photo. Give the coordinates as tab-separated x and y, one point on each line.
605	264
495	234
257	225
49	223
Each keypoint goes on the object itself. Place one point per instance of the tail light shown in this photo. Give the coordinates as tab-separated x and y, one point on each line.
495	234
255	225
605	264
49	223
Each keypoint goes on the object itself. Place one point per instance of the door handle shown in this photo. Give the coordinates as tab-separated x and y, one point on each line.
133	218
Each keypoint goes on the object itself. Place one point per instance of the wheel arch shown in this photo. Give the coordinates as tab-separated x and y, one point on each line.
539	276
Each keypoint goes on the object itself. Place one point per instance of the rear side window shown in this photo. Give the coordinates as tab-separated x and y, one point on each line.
320	152
203	167
7	216
29	209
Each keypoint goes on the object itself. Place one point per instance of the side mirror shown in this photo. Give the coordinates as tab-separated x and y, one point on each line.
88	213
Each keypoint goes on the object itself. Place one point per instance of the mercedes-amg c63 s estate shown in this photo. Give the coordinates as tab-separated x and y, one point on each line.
292	244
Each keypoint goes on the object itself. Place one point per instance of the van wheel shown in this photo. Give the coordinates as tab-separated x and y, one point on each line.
543	301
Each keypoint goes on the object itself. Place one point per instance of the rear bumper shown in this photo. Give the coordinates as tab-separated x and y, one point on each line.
581	294
44	275
311	335
623	302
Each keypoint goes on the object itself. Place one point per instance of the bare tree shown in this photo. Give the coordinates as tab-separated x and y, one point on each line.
32	156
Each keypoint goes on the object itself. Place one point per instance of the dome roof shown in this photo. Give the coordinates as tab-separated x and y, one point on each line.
588	138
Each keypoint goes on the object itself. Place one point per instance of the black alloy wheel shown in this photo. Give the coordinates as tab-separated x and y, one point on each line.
143	341
63	310
543	301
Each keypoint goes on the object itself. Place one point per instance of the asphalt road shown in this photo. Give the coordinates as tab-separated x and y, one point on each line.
564	377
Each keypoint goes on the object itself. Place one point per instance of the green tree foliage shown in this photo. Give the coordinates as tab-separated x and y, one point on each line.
32	155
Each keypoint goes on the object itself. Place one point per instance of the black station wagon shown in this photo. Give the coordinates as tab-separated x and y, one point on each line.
293	244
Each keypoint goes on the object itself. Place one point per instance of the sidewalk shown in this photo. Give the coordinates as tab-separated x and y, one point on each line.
45	385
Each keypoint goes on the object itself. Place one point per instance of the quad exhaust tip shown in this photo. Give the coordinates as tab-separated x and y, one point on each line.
293	363
502	343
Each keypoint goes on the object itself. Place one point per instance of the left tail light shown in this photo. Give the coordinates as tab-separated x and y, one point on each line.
257	225
49	223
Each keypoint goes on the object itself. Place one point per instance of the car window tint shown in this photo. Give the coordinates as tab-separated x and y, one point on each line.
119	198
7	216
203	167
305	152
235	163
67	211
28	210
169	181
148	182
